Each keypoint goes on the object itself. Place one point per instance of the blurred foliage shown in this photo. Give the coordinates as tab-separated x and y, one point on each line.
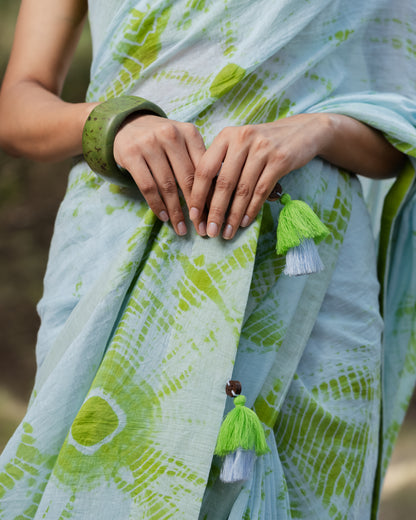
29	198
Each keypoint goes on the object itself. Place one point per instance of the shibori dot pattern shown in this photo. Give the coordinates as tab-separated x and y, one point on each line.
107	437
98	422
252	77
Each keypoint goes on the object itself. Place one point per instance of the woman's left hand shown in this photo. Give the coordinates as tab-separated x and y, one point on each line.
249	161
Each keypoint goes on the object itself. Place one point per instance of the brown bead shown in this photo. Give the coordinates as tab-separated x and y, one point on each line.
233	388
276	193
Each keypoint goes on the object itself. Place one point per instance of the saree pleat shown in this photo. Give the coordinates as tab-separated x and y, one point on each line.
141	328
315	443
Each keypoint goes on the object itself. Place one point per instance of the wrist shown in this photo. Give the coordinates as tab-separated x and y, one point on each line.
100	129
328	128
87	108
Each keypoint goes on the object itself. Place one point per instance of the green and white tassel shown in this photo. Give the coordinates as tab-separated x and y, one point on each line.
241	439
298	231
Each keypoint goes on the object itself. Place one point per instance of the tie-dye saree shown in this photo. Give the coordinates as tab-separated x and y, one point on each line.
141	328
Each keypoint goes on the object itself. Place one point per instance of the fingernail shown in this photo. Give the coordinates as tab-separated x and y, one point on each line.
228	231
202	228
193	213
212	229
246	221
181	228
163	216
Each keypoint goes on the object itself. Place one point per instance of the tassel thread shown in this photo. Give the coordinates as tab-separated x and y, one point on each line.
298	231
303	259
240	440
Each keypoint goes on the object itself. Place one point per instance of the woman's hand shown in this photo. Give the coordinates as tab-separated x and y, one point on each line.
246	162
249	161
161	156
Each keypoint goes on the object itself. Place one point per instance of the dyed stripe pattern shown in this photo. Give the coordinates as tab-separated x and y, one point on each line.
141	329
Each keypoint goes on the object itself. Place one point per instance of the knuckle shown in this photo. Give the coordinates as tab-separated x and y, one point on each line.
168	186
188	182
176	214
261	144
125	148
148	189
246	132
282	158
202	174
223	184
216	213
243	190
228	134
147	141
168	131
190	129
225	131
262	189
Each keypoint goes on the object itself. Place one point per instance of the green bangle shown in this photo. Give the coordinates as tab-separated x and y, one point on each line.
100	131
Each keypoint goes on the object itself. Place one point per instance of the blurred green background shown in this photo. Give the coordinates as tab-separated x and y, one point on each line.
30	194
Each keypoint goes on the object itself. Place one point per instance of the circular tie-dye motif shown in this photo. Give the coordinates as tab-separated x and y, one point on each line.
109	435
98	422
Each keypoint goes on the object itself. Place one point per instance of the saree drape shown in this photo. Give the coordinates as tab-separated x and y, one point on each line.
141	328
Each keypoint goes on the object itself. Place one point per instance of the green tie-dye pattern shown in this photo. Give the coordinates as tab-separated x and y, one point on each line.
337	221
340	443
226	79
230	40
246	99
96	421
138	48
111	418
190	310
341	439
405	319
30	467
191	7
342	36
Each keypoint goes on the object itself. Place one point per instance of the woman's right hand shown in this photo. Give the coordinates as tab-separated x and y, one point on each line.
161	155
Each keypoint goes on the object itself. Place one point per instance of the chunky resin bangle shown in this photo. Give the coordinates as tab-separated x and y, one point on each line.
100	131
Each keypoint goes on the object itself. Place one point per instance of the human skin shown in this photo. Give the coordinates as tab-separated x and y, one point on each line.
164	155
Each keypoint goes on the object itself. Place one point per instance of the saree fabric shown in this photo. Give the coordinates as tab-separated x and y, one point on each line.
141	328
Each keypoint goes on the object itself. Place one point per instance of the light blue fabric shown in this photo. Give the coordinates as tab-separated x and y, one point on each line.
141	329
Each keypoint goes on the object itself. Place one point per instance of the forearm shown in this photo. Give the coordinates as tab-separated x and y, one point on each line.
358	148
252	159
37	124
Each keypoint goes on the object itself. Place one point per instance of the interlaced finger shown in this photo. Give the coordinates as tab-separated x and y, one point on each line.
244	190
181	163
167	187
147	185
206	171
265	186
224	189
